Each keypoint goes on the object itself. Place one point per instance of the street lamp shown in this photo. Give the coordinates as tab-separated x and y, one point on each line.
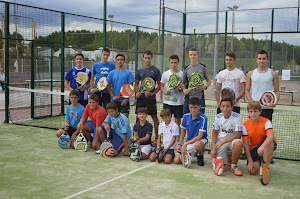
111	26
235	7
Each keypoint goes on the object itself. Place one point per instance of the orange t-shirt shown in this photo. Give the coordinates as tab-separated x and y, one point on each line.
257	133
97	116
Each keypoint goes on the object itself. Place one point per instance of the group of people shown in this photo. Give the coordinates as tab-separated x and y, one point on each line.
108	112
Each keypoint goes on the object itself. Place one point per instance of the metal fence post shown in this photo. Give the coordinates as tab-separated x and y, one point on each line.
6	62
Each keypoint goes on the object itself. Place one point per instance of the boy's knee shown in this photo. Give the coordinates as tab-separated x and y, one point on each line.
238	145
199	146
177	160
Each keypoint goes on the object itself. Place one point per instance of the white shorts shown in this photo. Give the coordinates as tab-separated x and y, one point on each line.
223	150
146	148
191	147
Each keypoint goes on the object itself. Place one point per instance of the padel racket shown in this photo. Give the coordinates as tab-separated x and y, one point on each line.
267	98
174	81
64	141
195	81
135	153
80	143
218	165
228	92
81	79
106	148
126	91
148	84
186	159
264	172
159	150
102	84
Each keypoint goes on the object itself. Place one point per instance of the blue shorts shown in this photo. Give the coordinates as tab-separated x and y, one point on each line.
116	140
92	127
253	152
169	151
176	110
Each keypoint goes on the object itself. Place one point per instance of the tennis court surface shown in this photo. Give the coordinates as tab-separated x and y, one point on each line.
33	166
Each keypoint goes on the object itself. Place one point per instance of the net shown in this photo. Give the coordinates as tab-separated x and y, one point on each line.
38	108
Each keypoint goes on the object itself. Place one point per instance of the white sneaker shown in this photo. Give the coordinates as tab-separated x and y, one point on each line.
98	152
186	159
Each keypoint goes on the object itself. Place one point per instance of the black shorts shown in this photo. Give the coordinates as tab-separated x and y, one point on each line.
150	104
123	109
104	98
235	109
253	152
70	131
267	113
176	110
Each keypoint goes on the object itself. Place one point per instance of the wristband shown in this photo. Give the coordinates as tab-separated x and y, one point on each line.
179	144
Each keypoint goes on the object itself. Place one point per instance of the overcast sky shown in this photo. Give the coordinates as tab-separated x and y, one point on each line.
146	13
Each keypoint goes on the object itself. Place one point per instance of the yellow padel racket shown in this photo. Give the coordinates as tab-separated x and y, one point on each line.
148	84
195	81
80	143
81	79
174	81
102	84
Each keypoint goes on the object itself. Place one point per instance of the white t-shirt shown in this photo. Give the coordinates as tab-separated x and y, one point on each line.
173	99
168	132
2	77
227	126
231	79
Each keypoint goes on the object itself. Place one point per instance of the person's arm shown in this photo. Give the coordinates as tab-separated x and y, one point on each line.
136	89
276	86
214	138
67	85
92	85
82	121
125	141
218	93
248	86
171	144
165	91
181	137
242	93
146	138
250	165
109	90
268	141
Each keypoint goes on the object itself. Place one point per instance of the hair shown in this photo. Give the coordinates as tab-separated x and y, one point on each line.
193	49
263	52
148	52
120	55
106	50
254	105
74	92
79	54
142	110
94	97
165	112
194	101
230	54
174	57
111	105
242	67
226	99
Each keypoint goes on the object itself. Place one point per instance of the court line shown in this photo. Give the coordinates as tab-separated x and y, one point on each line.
108	181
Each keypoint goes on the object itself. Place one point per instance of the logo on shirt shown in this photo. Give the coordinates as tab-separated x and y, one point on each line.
74	114
116	124
227	131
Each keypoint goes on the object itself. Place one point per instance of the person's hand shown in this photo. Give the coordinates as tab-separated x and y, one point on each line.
115	98
201	88
148	94
124	102
260	150
250	166
138	95
178	148
176	90
92	90
218	145
106	127
186	91
213	152
167	92
67	127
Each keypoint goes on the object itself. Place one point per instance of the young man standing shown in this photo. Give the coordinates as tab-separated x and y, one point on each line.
148	99
116	79
173	98
194	67
231	78
101	69
260	80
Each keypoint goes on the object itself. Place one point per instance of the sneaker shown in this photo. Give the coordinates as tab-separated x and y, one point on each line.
236	171
228	164
98	152
186	159
200	160
243	157
272	161
90	144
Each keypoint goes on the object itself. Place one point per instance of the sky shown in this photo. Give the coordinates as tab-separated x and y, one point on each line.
146	13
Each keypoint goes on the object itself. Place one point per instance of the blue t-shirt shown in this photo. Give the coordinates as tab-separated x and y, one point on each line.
152	72
194	126
120	124
102	70
118	78
143	131
74	115
71	77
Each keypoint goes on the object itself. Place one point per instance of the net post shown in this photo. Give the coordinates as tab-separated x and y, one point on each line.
183	43
271	42
62	72
32	79
6	62
104	22
136	51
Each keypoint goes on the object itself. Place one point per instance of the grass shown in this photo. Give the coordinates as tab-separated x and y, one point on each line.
33	166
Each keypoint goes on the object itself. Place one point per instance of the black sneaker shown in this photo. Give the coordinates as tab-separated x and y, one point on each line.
200	160
272	161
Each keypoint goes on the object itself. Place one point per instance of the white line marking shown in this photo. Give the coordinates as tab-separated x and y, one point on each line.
108	181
